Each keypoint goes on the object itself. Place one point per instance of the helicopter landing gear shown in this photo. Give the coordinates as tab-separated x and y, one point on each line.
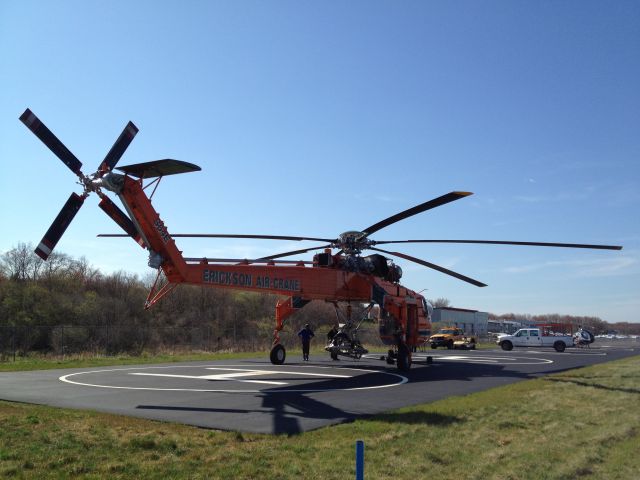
401	357
404	358
284	308
391	355
278	354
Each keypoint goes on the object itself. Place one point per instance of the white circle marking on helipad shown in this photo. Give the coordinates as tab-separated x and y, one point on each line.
239	373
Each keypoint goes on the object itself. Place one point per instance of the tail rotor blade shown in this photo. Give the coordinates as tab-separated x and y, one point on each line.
120	218
118	148
59	225
40	130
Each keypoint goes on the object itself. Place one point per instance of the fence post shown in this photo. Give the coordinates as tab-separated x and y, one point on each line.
359	460
13	343
62	326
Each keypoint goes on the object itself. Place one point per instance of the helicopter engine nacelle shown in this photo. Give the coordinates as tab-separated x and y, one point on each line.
395	273
381	267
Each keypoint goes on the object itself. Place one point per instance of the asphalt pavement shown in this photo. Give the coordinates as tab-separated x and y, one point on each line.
255	396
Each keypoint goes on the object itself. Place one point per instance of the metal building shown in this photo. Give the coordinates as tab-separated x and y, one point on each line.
472	322
505	326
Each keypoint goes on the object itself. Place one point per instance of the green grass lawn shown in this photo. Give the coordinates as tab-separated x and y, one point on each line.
39	362
583	423
44	362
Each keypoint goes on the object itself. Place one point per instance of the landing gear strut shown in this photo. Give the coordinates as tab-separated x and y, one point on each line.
284	308
404	358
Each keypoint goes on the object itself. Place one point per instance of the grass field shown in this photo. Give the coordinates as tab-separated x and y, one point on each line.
583	423
39	362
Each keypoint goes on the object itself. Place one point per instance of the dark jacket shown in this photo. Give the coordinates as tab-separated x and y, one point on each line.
305	334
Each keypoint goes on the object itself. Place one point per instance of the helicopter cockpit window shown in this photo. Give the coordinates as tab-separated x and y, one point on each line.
427	307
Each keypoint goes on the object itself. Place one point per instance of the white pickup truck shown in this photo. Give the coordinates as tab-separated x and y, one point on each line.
533	337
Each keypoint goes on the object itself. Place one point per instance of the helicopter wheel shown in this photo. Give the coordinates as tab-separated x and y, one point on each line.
390	358
404	359
278	354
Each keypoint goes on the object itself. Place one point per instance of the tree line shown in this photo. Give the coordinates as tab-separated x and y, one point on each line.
65	304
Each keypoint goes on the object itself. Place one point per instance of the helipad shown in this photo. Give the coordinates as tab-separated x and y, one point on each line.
253	395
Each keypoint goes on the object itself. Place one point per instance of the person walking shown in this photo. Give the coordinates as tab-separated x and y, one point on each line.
306	334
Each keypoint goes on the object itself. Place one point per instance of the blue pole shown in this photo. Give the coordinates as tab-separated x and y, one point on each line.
359	460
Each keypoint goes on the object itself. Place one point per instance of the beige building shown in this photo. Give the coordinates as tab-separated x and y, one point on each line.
472	322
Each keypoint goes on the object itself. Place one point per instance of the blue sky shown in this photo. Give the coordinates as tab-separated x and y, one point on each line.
313	118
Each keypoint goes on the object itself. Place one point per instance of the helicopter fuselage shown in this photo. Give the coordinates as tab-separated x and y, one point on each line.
403	317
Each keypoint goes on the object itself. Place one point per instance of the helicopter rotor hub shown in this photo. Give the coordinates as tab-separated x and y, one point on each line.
353	242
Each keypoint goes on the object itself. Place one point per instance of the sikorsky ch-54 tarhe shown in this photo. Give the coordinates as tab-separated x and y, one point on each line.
339	273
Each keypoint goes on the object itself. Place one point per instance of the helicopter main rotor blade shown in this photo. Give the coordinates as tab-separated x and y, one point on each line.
118	148
233	235
59	225
240	261
505	242
294	252
433	266
436	202
47	137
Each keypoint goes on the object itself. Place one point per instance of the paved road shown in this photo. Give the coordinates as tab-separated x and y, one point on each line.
255	396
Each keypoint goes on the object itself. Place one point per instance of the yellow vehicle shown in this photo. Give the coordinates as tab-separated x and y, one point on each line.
446	337
465	343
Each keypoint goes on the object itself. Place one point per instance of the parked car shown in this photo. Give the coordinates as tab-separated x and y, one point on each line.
446	337
533	337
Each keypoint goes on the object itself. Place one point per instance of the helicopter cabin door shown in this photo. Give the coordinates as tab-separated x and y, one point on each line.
412	324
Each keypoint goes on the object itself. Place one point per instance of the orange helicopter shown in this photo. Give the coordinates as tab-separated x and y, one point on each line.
344	277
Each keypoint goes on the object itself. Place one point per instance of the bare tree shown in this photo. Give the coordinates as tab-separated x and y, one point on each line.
21	263
440	302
